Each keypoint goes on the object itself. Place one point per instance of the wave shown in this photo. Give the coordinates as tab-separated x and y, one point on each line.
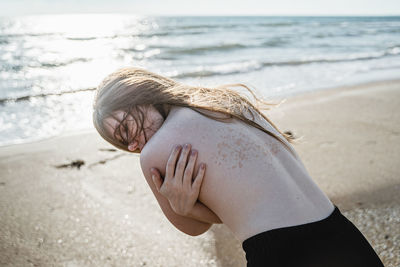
58	64
355	33
170	52
394	30
388	52
245	67
28	97
194	74
11	67
19	67
201	26
198	30
81	38
274	42
28	34
223	69
139	35
155	34
169	33
161	33
207	26
173	53
203	49
276	24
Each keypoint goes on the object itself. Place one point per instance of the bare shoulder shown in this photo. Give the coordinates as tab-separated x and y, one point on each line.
183	125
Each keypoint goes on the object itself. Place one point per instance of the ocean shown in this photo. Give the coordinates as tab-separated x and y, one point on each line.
50	64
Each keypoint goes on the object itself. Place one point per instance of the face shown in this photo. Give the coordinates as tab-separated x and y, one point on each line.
152	122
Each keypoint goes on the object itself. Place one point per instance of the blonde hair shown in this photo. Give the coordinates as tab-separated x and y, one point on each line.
128	88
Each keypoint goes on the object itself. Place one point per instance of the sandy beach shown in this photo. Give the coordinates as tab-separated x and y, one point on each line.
76	201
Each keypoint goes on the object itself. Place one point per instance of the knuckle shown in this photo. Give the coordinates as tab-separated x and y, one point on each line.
170	164
188	171
188	174
181	165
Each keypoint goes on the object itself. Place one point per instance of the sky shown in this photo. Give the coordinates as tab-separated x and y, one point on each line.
202	7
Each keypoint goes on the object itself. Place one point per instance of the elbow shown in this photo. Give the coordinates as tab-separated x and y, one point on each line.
196	231
196	234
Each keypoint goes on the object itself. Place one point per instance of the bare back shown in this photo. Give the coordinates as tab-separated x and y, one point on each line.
253	183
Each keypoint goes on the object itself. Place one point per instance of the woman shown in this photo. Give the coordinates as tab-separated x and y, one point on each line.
255	182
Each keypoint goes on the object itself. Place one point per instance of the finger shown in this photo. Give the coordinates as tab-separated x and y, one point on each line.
199	178
188	175
156	177
180	166
170	169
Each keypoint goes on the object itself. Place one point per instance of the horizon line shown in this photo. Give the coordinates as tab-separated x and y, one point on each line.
206	15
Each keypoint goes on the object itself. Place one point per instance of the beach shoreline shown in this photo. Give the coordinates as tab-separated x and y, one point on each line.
74	200
274	99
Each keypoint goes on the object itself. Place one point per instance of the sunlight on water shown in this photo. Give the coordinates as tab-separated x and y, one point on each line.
44	57
77	26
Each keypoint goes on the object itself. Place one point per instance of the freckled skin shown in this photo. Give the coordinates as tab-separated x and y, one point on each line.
252	182
240	149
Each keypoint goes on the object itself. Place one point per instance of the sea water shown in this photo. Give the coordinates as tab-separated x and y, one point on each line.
51	64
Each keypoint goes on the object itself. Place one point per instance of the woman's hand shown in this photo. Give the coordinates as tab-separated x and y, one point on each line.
178	186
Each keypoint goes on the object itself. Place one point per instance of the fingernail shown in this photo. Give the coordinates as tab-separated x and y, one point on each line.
153	177
177	147
186	145
202	166
194	152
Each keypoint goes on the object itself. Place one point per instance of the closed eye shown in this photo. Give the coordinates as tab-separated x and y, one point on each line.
120	133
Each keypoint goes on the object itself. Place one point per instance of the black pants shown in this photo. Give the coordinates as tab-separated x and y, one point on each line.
331	242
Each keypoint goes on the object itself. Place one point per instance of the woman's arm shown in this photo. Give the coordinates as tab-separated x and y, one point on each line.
186	225
202	213
181	188
153	157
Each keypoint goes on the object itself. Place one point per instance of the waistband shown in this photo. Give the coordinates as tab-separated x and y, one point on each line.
277	236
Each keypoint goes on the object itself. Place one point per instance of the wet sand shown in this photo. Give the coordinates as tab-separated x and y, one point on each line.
75	201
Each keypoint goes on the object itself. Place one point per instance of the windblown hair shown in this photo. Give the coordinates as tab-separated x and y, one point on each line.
128	89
